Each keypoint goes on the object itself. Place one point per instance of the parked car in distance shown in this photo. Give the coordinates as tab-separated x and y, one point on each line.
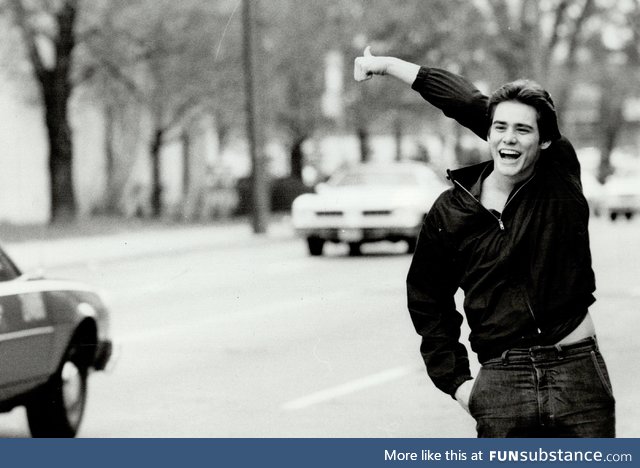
621	195
367	202
53	333
593	191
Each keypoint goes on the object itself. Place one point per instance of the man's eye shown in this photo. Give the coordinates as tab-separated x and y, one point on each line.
500	128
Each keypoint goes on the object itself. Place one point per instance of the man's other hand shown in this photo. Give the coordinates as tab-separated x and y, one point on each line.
463	393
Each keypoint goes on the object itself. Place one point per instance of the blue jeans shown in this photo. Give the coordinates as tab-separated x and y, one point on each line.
545	391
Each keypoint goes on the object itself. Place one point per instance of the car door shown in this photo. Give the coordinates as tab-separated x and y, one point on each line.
26	332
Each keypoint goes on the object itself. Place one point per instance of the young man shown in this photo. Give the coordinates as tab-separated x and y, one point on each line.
512	233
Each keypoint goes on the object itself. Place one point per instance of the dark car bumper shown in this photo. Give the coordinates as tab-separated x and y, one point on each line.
104	350
361	234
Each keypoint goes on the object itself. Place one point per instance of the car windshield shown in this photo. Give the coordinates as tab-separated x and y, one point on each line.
370	177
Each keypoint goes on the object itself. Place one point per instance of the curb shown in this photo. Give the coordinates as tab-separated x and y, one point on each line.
42	254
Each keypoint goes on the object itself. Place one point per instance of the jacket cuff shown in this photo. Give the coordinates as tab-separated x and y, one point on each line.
421	77
457	382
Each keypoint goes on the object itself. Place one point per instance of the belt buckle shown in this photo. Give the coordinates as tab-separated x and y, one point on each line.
545	352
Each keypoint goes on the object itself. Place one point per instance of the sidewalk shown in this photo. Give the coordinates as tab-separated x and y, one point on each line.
45	253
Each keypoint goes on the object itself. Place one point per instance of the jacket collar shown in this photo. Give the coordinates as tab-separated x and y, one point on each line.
471	177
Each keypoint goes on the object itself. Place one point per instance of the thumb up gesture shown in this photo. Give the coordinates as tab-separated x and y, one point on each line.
368	65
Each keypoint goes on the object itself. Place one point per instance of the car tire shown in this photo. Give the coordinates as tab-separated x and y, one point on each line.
354	249
613	215
56	409
315	245
628	215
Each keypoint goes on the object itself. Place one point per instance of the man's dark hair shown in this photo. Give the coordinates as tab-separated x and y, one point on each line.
532	94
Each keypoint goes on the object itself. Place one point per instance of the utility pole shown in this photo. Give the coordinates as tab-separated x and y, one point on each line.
397	134
259	183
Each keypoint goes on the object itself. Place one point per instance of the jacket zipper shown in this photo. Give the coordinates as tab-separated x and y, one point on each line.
502	228
497	218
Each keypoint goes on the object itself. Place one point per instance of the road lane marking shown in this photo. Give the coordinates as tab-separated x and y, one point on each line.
349	387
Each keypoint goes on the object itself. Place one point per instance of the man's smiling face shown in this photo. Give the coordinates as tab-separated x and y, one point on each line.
514	140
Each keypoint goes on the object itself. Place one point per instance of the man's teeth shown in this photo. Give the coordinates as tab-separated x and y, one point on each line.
509	154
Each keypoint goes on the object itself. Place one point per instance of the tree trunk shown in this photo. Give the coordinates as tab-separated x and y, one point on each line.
63	203
186	162
56	90
297	158
611	122
156	182
112	195
363	138
397	135
259	176
605	168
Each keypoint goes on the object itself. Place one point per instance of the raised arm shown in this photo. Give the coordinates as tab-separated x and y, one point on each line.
455	96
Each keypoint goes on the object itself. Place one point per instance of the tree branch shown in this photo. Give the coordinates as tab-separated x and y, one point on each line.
500	12
180	111
555	31
571	62
577	30
66	41
633	51
29	38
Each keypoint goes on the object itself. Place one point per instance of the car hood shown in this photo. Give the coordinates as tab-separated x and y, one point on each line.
623	186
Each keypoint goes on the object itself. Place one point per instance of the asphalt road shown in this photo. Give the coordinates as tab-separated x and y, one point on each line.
250	337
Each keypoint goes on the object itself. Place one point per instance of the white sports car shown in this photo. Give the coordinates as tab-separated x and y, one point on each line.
621	195
368	202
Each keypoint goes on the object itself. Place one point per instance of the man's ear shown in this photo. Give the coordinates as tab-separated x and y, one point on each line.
545	144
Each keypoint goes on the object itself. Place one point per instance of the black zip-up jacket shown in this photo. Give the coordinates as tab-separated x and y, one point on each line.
526	272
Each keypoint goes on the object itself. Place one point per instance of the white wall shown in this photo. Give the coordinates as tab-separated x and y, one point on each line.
24	175
24	184
89	164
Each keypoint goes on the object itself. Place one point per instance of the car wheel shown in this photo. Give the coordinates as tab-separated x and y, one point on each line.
354	249
613	215
56	409
315	245
628	215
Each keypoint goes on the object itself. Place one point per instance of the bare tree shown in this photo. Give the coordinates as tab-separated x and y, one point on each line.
297	35
55	23
525	46
448	33
163	55
615	69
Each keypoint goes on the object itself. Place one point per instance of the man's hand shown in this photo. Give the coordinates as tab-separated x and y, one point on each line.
368	65
463	393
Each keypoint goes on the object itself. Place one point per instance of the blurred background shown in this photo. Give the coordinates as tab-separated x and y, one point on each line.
153	109
145	143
